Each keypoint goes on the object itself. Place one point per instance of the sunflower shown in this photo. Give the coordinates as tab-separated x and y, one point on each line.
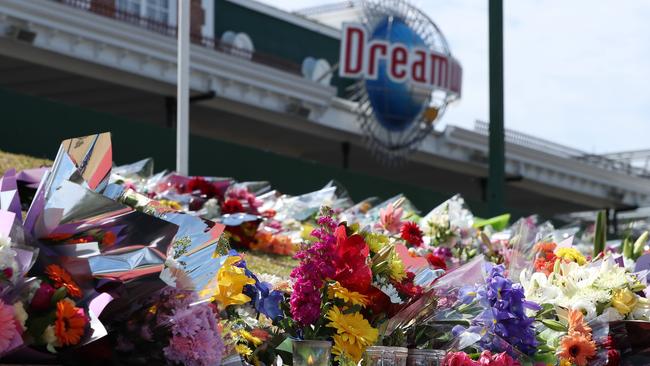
62	278
70	323
577	348
335	290
352	328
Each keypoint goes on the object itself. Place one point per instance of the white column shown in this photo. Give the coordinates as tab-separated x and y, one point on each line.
182	91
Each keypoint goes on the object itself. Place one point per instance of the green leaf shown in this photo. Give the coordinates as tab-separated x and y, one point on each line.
554	325
627	247
498	223
600	237
285	346
639	245
59	295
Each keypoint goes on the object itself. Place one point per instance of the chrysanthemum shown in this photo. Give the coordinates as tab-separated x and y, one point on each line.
61	278
410	231
337	291
70	323
577	348
352	328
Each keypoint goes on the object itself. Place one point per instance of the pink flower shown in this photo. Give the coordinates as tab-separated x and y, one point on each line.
459	359
499	359
42	298
390	219
8	331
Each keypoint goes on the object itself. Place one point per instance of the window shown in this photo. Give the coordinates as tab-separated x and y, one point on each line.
157	10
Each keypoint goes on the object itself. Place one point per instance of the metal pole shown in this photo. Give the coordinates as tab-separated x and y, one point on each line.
496	178
182	91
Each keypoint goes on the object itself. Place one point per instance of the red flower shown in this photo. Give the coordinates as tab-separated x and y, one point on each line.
411	233
8	272
232	206
408	288
200	184
42	297
436	261
352	271
458	359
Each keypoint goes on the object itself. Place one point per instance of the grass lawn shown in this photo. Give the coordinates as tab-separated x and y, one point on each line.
20	162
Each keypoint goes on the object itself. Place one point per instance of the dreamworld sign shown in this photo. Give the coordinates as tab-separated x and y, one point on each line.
362	56
405	74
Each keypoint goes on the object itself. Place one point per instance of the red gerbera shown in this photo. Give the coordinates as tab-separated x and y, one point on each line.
408	288
232	206
411	233
436	261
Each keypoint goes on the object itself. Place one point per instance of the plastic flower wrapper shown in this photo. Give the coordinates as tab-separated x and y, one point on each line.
173	328
449	233
303	207
356	213
135	174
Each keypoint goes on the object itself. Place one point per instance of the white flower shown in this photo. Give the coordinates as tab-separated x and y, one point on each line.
7	254
20	314
49	337
389	290
587	307
642	309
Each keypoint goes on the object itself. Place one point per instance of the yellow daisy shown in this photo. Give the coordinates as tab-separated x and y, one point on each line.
352	328
250	338
343	349
243	350
335	290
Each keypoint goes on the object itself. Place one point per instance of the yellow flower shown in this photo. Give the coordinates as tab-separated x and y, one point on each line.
346	350
250	338
571	254
624	301
335	290
243	350
565	362
397	271
376	241
172	204
352	328
307	228
229	283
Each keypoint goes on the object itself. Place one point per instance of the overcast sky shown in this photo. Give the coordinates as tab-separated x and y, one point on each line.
576	72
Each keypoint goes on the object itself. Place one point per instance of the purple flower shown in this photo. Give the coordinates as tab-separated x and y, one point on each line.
505	314
316	264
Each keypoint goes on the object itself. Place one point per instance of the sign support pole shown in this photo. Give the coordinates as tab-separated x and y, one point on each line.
182	88
496	177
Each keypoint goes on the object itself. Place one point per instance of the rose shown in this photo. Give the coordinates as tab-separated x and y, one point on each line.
42	297
624	301
458	359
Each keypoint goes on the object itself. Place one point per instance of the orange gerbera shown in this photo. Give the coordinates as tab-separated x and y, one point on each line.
70	323
62	278
577	348
577	323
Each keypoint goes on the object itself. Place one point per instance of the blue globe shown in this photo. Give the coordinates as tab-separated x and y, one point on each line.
395	105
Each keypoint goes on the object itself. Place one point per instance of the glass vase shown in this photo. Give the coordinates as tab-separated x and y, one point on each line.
311	353
425	357
386	356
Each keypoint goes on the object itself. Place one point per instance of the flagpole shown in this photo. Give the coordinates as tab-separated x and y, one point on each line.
182	88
